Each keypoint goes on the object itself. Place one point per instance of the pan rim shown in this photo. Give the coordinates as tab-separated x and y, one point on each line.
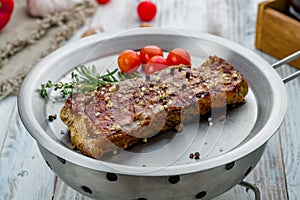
45	141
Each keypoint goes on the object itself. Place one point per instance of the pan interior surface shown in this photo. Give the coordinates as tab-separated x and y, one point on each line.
220	138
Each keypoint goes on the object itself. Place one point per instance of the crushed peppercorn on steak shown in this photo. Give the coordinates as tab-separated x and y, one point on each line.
118	116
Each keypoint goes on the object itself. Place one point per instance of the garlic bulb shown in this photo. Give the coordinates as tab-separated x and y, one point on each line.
41	8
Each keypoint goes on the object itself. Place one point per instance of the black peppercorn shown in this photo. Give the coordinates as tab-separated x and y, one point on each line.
172	70
188	75
51	118
117	87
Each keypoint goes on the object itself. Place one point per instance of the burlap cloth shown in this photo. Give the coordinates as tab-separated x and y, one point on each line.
25	40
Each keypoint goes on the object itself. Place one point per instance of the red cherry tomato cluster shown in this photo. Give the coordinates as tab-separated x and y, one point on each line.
146	10
153	59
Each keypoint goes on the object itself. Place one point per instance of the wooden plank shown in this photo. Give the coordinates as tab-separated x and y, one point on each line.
290	138
223	18
115	16
24	174
7	107
182	14
245	23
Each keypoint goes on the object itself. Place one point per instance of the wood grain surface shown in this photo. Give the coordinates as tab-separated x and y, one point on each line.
278	34
25	175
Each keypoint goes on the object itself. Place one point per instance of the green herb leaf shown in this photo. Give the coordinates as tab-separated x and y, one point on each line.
84	79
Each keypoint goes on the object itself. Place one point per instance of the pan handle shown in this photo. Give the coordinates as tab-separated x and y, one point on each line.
285	61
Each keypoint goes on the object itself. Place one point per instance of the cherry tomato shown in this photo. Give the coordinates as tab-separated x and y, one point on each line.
6	10
103	1
129	61
179	56
146	10
154	64
149	51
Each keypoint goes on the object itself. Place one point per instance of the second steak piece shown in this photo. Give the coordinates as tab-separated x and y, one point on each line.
118	116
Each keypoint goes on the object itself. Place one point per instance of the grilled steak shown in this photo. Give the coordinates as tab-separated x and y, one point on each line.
118	116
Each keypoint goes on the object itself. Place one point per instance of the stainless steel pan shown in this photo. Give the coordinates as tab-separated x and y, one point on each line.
230	148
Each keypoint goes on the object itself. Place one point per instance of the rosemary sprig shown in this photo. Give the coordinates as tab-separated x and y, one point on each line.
84	79
65	88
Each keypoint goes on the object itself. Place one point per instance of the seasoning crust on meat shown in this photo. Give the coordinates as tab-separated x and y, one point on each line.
118	116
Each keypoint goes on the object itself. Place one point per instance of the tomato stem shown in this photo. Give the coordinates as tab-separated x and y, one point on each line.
0	4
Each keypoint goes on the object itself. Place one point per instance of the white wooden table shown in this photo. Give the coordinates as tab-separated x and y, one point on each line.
24	174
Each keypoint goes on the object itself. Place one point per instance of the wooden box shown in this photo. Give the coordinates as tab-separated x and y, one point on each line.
277	33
